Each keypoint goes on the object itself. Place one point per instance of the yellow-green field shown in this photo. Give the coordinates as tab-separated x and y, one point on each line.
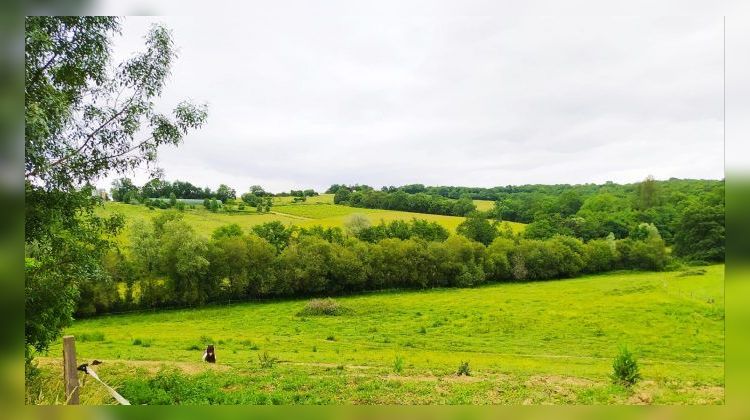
526	343
484	205
318	199
315	211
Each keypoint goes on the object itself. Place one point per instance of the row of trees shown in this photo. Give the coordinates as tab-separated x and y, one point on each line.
689	214
403	201
125	191
167	263
85	117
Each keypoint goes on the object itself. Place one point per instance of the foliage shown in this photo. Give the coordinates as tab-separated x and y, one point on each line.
360	196
266	361
625	368
476	227
463	369
398	364
429	231
82	118
701	234
275	233
227	231
174	265
327	307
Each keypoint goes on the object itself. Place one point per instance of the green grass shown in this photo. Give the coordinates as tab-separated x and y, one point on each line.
540	342
318	199
307	214
484	205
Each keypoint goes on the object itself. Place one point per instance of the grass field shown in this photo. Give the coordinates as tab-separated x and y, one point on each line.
318	199
484	205
526	343
315	211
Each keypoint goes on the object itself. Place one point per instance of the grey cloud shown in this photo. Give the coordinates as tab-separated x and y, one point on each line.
483	101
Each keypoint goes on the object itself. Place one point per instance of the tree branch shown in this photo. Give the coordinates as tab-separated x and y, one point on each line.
41	70
118	154
87	140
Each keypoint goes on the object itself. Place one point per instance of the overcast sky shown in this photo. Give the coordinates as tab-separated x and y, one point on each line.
304	103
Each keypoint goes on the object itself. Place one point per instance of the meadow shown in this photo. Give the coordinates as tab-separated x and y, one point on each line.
318	210
525	343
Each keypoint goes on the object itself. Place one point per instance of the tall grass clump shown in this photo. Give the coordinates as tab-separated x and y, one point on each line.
625	368
324	307
398	364
266	361
92	336
463	369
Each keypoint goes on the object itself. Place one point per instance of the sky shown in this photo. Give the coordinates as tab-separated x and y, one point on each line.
301	103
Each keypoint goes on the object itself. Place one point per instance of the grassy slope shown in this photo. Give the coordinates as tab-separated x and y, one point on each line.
315	211
526	343
484	205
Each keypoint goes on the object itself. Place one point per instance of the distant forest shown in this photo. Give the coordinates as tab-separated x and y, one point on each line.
586	211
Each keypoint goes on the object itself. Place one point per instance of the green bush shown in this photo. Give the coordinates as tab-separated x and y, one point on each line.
398	364
92	336
625	368
326	307
463	369
266	361
142	342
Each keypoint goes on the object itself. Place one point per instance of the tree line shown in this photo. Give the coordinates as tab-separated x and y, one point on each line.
124	190
168	264
403	201
689	214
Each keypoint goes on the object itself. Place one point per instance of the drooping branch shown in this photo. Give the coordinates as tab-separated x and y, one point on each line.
88	138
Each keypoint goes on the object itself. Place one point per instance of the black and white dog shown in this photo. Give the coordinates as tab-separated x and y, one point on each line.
209	355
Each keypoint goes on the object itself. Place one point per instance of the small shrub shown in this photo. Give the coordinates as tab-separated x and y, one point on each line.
422	330
463	369
398	364
249	344
194	347
625	368
695	272
142	342
92	336
324	307
266	361
331	338
206	340
314	349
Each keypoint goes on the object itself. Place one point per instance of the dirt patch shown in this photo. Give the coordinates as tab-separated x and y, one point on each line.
558	380
641	398
151	366
559	386
411	378
328	365
432	378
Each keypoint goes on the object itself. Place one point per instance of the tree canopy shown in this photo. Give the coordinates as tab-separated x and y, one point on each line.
85	117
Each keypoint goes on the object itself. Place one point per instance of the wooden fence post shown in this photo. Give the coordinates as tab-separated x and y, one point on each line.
69	369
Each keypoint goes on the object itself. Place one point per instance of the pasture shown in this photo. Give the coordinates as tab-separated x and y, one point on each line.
526	343
318	210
